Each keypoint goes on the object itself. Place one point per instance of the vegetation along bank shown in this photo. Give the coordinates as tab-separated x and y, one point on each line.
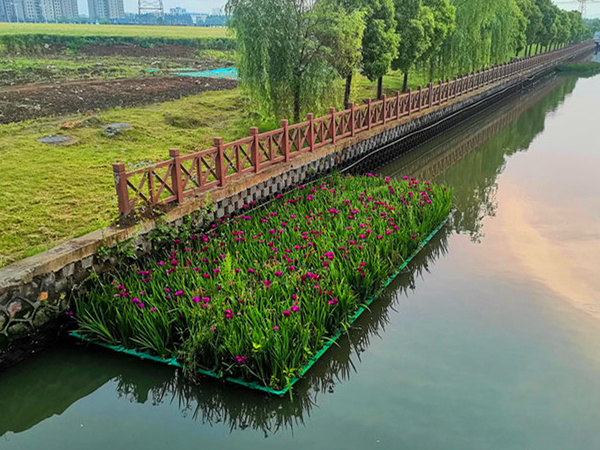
258	296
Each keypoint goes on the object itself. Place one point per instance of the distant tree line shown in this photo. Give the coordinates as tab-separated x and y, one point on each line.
290	52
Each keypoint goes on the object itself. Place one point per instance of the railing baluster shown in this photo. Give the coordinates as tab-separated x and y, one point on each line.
221	170
176	179
120	177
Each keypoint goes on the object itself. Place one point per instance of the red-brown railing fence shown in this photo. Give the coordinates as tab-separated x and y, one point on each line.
182	176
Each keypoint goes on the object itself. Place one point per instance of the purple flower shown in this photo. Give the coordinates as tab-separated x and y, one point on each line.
287	313
240	359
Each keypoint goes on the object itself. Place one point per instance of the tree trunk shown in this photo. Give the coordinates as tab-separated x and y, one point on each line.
405	83
297	105
347	91
380	88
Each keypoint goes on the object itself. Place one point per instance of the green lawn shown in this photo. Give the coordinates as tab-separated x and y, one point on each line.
52	194
63	29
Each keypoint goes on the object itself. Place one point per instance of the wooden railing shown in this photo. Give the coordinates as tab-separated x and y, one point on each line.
173	180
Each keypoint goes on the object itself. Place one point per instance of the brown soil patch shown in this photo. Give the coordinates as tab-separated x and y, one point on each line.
33	101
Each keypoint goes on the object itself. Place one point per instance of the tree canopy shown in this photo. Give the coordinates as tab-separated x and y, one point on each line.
291	52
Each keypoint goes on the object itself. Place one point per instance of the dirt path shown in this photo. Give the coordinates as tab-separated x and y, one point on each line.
33	101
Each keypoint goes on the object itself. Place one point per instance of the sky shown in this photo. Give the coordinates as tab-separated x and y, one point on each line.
593	7
206	6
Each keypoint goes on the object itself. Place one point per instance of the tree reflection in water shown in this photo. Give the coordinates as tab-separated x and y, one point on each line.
471	157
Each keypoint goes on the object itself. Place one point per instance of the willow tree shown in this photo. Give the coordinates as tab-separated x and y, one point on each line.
284	52
344	45
444	25
486	33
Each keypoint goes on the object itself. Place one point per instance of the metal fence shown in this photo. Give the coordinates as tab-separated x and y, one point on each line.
175	179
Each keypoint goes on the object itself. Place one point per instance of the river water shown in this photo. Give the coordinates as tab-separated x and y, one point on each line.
492	341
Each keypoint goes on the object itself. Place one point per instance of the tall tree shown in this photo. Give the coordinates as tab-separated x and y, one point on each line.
380	41
345	41
415	24
284	52
444	25
534	16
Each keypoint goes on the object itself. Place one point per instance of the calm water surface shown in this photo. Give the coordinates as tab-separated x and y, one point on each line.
491	342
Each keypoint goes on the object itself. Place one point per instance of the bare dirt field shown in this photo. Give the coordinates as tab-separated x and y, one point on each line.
32	101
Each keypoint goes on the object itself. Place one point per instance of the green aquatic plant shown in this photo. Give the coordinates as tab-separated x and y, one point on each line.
260	294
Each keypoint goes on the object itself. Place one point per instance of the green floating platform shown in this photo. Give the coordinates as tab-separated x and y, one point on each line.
254	385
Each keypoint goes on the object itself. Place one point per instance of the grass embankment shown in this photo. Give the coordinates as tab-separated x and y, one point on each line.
52	194
65	29
258	296
33	38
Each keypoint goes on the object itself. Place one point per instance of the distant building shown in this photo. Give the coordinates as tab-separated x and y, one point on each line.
106	9
11	11
198	19
178	11
38	10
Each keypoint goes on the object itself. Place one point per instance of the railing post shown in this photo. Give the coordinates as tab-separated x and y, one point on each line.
311	132
430	94
439	92
255	149
176	177
420	88
332	125
221	169
384	108
397	105
369	114
352	119
285	143
121	188
447	89
409	101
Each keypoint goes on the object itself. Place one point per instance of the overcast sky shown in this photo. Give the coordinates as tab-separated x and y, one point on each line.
206	6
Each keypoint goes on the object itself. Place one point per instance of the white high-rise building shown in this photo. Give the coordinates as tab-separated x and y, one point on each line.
106	9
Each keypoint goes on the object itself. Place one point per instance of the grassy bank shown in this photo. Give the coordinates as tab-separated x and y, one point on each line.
258	296
65	29
35	38
52	194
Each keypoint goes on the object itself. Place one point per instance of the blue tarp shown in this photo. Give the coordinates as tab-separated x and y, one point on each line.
217	73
